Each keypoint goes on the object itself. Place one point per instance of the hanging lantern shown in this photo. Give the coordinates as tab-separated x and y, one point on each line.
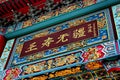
2	43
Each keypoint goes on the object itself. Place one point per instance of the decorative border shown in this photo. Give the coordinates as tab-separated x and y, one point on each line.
109	50
62	18
100	51
116	14
80	4
6	53
105	34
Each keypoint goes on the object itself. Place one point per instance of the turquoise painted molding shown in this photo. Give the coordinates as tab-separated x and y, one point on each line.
61	18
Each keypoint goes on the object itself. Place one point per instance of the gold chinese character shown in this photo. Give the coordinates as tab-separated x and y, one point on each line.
47	42
94	30
32	47
62	38
79	33
89	28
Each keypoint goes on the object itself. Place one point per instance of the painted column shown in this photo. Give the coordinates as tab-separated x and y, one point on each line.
2	43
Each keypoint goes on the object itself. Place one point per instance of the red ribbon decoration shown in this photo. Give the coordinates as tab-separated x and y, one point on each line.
114	69
2	44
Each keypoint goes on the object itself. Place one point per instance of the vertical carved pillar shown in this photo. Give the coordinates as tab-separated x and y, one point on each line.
2	43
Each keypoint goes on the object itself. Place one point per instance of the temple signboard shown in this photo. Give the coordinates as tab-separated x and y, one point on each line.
73	34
